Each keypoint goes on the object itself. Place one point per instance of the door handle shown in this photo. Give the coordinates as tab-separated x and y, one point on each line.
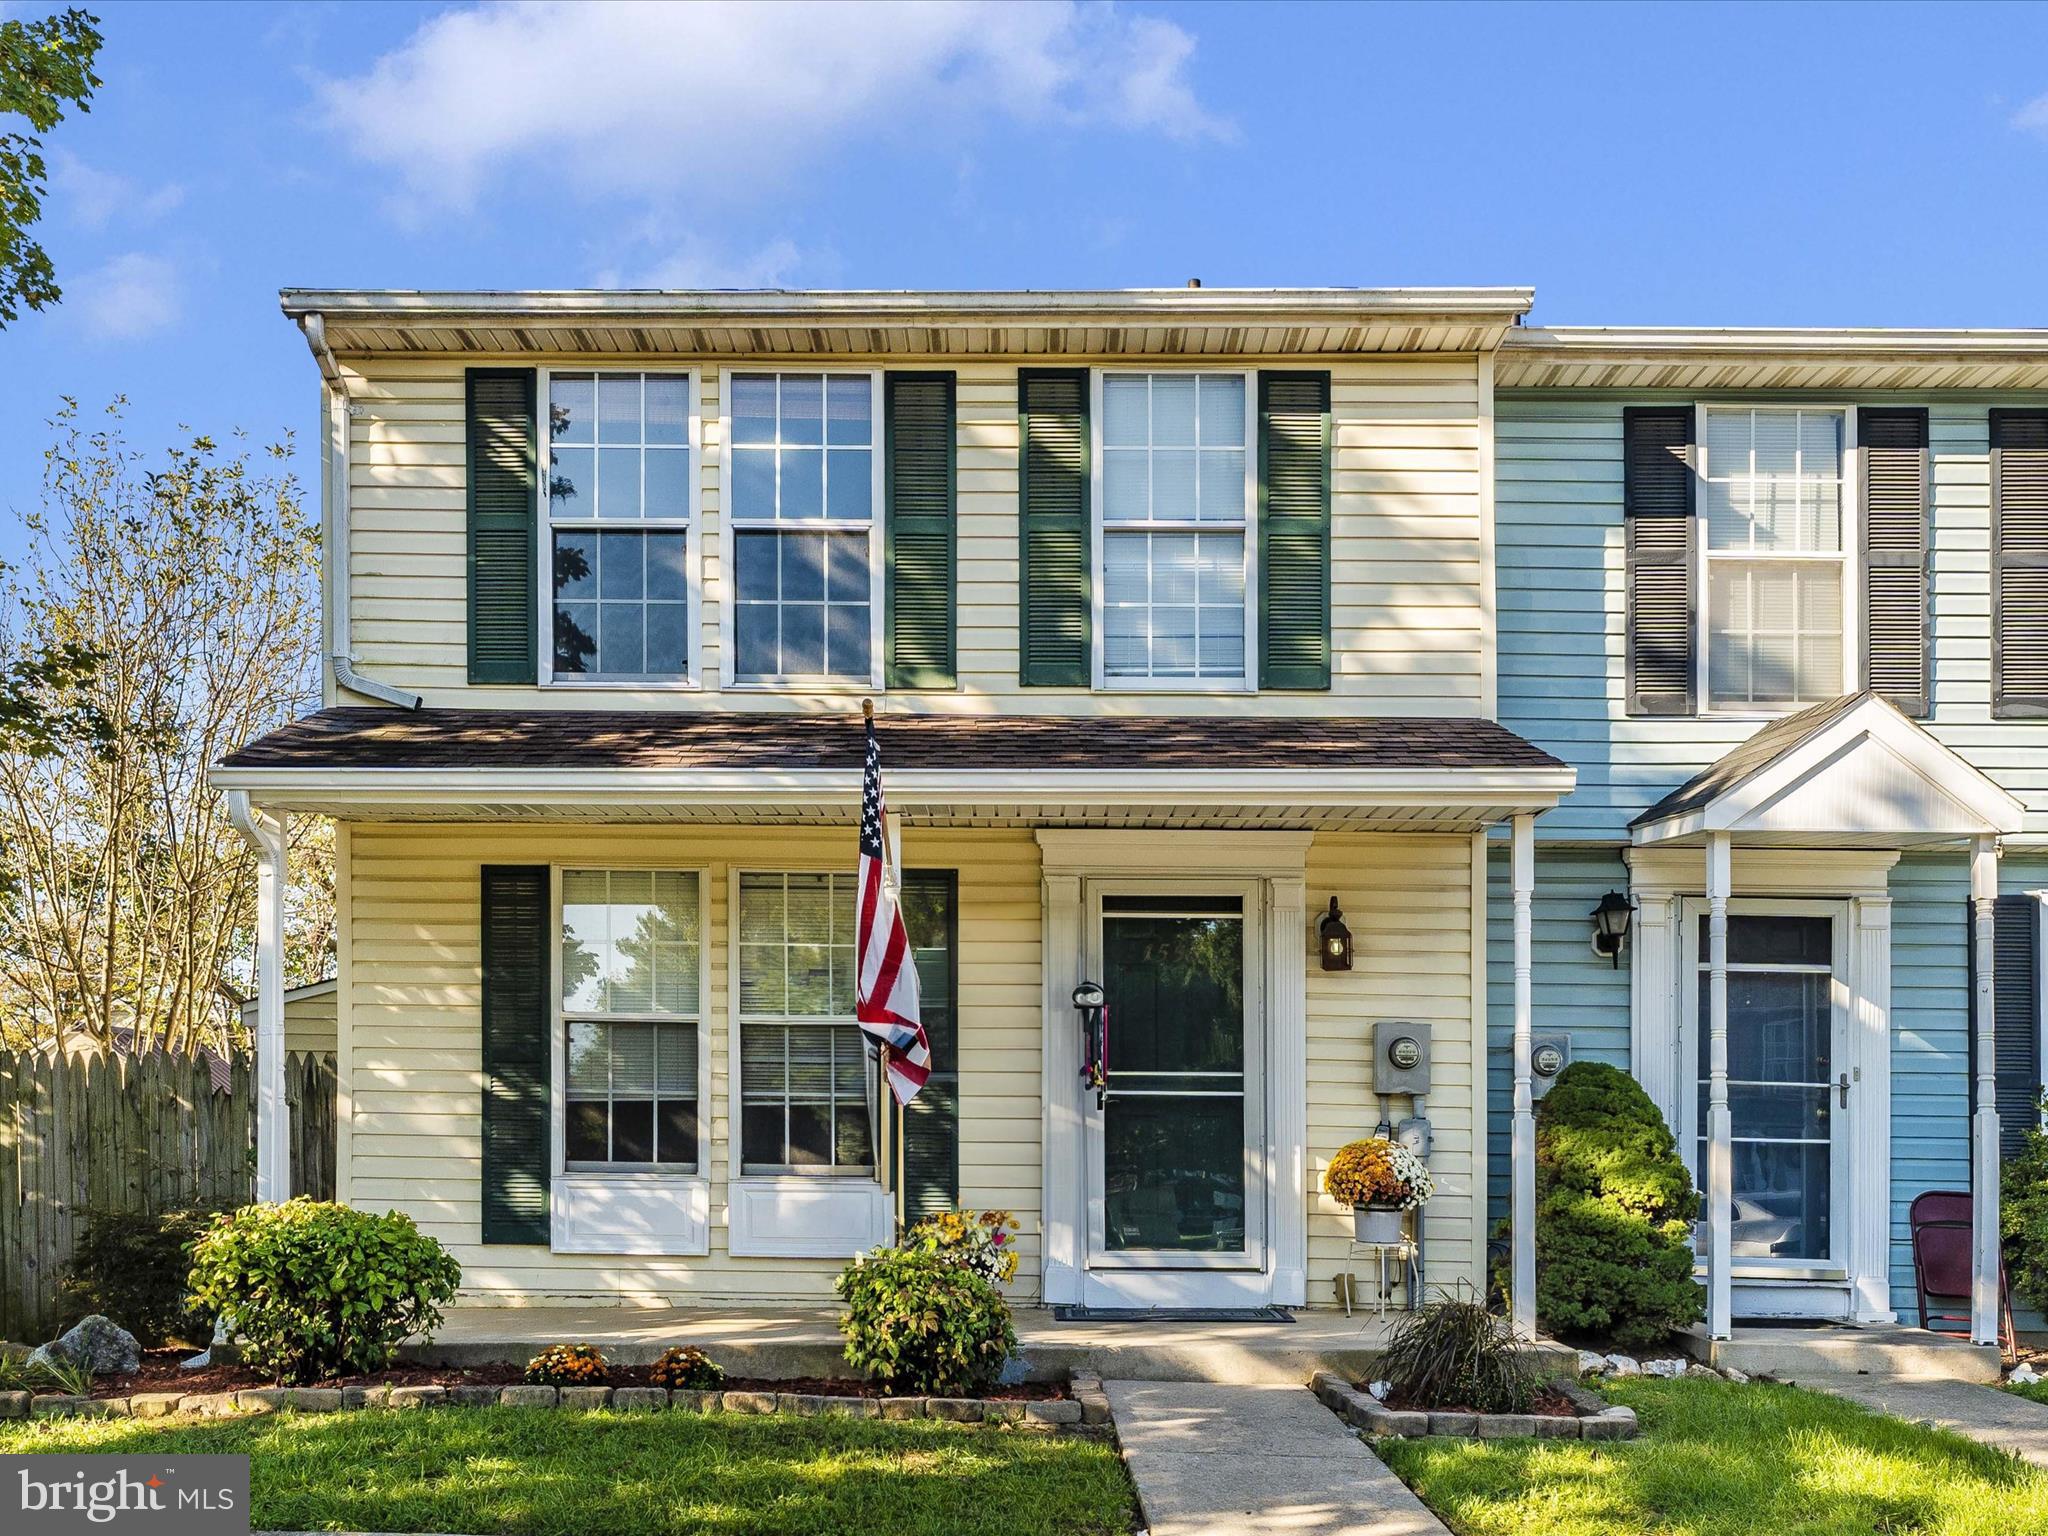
1843	1085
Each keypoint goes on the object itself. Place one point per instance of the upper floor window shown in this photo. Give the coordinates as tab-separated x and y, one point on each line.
630	965
1174	497
1771	506
619	502
803	483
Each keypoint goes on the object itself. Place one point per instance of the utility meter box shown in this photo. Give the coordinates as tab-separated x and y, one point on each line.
1400	1057
1548	1056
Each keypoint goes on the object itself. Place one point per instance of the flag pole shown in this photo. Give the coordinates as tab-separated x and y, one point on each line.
885	1163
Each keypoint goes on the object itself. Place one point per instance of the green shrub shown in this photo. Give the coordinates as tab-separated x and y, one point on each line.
686	1370
922	1322
319	1290
1450	1353
569	1365
132	1268
1614	1213
2023	1220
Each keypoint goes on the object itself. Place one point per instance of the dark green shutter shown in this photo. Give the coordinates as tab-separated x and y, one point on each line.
1294	530
931	1121
919	494
1657	510
517	1155
1054	515
1896	653
2019	564
2015	1017
503	526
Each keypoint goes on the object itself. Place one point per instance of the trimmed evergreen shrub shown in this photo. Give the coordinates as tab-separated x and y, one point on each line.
923	1323
1614	1213
2023	1220
131	1267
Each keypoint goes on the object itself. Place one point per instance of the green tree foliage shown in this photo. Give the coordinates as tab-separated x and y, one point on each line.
1614	1212
44	65
167	612
319	1290
2023	1220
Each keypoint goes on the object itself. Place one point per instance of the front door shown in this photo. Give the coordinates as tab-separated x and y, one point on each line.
1790	1097
1176	1166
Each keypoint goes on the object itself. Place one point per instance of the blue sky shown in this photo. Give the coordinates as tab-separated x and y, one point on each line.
1726	165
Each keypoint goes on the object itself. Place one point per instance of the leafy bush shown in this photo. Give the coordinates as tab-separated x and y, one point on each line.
319	1290
1450	1353
923	1322
2023	1220
981	1242
569	1365
686	1370
1380	1172
132	1268
1614	1212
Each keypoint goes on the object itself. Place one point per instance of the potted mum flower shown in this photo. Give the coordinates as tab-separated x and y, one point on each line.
1378	1179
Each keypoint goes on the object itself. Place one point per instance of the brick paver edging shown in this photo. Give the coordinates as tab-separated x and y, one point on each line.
1085	1411
1595	1419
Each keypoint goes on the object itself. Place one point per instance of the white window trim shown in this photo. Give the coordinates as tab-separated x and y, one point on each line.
690	526
729	527
735	1088
1098	532
1851	557
689	1190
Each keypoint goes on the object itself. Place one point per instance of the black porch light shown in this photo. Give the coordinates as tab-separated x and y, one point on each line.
1610	927
1333	939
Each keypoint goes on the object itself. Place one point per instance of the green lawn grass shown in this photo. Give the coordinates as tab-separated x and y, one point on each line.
1718	1459
540	1473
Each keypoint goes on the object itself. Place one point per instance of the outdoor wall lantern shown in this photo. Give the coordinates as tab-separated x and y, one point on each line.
1610	927
1334	939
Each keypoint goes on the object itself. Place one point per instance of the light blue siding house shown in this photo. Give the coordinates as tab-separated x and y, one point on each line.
1781	598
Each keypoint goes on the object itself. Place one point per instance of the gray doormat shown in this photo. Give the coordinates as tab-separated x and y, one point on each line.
1071	1314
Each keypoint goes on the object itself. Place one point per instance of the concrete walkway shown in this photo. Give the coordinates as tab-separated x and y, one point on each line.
1984	1414
1216	1460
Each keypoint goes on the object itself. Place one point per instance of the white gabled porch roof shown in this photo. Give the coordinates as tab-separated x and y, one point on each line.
1849	773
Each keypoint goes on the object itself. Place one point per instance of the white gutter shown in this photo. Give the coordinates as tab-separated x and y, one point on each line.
1656	343
266	834
334	393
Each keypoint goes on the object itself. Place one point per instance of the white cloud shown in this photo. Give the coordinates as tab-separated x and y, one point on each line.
654	99
130	297
90	196
2033	117
694	262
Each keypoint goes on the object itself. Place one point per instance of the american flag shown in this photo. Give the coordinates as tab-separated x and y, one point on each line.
885	994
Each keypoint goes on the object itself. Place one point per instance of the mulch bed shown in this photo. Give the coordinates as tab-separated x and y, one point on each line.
161	1372
1548	1401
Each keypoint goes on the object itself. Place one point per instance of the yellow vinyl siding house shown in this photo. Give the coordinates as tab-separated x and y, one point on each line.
1176	610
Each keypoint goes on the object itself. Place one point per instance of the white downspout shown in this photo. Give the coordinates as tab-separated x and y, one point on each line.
266	833
340	412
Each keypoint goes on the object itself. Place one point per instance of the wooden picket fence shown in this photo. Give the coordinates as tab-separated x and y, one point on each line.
132	1135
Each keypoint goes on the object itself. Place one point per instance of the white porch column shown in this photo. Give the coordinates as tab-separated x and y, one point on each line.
1061	1196
1720	1125
1984	1123
1870	1056
266	834
1287	1093
1522	1225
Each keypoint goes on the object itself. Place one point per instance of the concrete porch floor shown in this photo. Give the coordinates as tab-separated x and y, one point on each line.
1886	1352
785	1342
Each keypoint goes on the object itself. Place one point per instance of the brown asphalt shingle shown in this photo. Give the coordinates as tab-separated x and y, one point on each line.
644	739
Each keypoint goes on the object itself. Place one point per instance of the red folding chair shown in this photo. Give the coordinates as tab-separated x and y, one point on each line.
1942	1265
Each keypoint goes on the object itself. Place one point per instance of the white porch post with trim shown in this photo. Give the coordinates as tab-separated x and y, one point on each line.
1287	1091
1720	1122
1522	1226
1984	1167
266	834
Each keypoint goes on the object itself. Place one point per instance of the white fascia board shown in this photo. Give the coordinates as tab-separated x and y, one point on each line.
1660	342
1531	789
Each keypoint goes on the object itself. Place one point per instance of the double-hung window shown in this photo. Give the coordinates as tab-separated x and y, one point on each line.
1772	500
1175	492
804	1084
620	494
630	963
803	485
